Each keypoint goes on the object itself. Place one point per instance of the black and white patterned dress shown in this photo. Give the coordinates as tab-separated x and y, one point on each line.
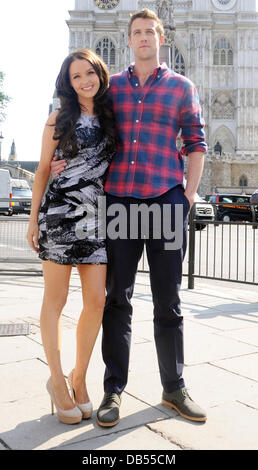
69	220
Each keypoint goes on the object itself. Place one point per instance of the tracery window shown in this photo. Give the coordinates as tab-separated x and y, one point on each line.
177	60
243	181
106	49
223	52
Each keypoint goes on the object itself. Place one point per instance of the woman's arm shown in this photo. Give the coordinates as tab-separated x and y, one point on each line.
41	178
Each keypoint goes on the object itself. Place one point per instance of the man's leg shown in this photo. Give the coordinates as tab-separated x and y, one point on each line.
165	277
123	258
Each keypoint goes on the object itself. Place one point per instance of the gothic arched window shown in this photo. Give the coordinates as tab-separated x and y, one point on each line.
243	181
106	49
177	60
223	53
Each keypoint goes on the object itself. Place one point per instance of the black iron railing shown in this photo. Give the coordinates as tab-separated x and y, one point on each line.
225	251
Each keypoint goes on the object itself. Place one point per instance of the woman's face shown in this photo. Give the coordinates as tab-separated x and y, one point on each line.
84	80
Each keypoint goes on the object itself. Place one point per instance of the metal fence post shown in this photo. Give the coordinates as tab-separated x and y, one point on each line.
191	248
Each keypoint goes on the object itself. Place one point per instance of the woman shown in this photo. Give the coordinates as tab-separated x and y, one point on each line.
60	229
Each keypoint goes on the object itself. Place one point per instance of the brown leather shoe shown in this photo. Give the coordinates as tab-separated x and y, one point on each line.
184	405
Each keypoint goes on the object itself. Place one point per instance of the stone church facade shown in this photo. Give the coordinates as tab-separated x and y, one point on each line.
212	42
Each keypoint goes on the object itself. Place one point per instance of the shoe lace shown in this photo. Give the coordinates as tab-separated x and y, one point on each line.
184	392
111	397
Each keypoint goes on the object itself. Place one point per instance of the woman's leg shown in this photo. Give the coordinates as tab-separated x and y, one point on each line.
56	279
93	280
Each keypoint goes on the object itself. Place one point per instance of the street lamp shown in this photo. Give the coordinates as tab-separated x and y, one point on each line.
1	138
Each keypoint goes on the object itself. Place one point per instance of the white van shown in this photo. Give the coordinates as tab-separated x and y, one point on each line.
20	190
5	192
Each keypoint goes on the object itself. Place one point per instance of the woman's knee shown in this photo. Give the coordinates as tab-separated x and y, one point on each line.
55	301
95	303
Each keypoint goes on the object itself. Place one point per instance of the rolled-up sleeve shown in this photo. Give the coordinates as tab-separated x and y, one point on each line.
191	122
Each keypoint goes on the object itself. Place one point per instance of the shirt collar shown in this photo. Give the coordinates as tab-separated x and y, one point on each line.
163	66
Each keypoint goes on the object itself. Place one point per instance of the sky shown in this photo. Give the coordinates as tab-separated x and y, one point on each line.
34	39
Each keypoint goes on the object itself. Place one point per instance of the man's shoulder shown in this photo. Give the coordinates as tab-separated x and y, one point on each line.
118	77
176	79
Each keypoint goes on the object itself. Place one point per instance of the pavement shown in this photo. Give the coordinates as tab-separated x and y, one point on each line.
221	372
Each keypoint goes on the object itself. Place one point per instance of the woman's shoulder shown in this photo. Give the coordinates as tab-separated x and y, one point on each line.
51	121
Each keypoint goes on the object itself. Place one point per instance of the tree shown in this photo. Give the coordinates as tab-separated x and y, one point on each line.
4	99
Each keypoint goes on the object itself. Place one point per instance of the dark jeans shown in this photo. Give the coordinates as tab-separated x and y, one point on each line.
165	279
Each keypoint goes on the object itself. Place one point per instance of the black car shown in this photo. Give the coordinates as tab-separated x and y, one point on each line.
232	207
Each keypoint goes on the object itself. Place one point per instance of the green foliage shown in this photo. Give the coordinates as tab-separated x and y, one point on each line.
4	99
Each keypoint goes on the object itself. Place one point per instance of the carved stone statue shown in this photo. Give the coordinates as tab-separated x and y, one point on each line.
218	148
165	12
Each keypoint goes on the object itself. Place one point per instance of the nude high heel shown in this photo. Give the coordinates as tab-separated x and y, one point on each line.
72	416
86	408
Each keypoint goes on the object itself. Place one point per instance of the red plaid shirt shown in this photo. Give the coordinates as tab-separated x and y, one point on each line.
148	163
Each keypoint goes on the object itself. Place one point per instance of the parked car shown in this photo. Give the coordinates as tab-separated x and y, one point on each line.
232	207
203	212
21	189
5	192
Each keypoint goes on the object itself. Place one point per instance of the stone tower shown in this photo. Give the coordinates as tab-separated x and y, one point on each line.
212	42
13	155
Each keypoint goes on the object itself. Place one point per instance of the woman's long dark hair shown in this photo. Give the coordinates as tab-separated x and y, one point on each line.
70	109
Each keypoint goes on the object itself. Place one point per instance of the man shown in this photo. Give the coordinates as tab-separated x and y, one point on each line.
151	103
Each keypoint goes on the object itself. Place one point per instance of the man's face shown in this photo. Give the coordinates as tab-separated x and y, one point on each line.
145	41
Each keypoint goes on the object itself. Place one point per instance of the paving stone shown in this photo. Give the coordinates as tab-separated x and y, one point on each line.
247	307
221	353
18	348
68	355
212	386
141	438
142	310
202	383
246	335
148	362
147	388
23	379
203	346
228	427
28	424
203	300
143	330
10	312
226	321
246	366
251	401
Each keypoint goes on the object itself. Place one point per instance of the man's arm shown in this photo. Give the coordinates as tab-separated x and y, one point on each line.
193	136
194	173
